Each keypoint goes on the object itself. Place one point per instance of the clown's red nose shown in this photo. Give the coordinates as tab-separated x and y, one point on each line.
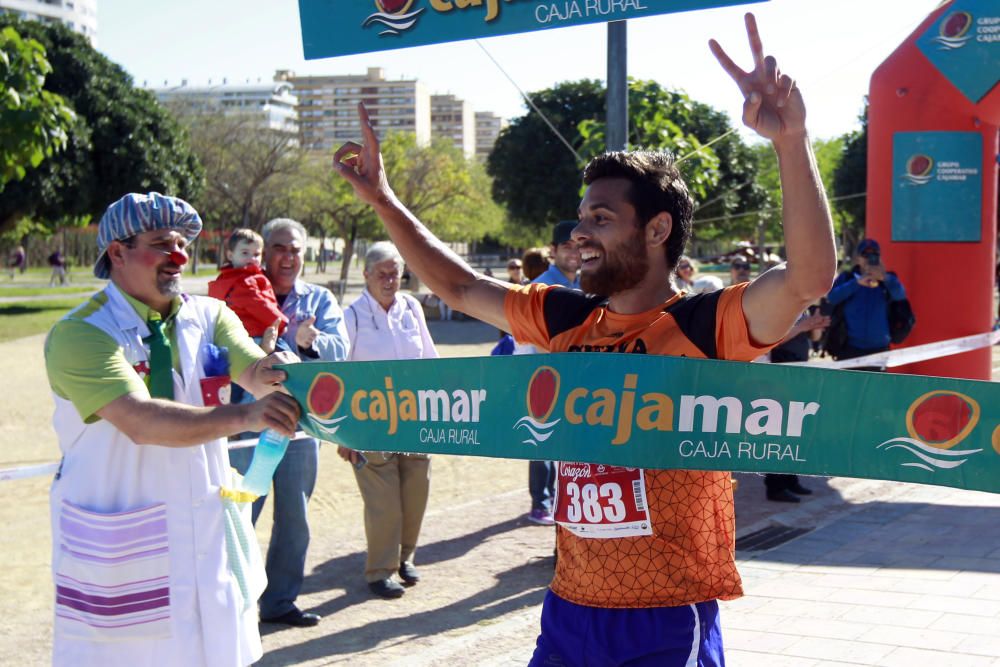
179	258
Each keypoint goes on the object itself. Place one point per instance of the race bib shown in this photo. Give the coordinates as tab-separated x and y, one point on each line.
602	502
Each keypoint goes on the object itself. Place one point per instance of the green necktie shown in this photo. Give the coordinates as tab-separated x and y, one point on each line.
161	379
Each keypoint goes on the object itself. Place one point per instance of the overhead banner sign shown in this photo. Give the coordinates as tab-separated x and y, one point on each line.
344	27
647	411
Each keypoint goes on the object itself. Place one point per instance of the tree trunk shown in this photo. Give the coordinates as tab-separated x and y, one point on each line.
321	262
345	264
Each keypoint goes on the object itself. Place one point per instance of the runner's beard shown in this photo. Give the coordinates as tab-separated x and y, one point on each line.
620	269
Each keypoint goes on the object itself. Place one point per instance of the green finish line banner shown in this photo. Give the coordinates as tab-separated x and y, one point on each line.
662	412
343	27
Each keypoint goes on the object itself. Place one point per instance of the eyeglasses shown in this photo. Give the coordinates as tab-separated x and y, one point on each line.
742	267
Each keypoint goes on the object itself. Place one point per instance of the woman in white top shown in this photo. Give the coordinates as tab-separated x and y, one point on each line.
385	324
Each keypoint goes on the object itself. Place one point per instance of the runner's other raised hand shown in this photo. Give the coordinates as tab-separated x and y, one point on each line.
773	105
361	164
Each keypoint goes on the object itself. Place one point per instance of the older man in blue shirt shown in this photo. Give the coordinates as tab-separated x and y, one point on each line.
316	332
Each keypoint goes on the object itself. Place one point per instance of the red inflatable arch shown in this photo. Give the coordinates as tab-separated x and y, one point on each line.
932	176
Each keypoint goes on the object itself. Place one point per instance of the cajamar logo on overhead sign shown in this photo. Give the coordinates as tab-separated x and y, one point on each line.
399	16
395	15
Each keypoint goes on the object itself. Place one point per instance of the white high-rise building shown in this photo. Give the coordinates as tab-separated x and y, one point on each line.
79	15
488	127
272	102
453	119
328	107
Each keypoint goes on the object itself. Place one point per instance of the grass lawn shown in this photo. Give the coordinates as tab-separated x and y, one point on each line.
41	291
27	318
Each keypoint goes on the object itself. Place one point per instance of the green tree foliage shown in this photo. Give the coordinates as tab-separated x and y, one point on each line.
850	183
828	155
121	141
447	192
722	176
325	203
33	121
534	175
247	166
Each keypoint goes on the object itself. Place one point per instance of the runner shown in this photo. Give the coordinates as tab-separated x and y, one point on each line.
646	592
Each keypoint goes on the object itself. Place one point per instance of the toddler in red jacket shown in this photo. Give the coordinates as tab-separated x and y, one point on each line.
247	291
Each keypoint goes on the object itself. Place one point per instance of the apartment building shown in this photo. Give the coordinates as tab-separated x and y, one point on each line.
488	128
453	119
79	15
327	107
273	102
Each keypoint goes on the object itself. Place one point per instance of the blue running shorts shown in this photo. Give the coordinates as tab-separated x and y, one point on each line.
577	636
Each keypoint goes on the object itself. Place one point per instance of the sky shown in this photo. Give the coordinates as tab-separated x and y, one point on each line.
831	49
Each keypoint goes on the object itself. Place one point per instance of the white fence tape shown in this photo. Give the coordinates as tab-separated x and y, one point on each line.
46	469
910	355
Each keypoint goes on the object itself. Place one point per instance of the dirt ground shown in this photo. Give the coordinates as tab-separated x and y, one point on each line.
485	568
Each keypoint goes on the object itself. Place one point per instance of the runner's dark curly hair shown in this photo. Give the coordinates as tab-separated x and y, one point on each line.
657	185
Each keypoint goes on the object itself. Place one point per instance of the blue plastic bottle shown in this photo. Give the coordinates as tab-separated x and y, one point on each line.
268	454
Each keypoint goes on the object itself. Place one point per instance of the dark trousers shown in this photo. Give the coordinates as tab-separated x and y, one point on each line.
774	482
851	352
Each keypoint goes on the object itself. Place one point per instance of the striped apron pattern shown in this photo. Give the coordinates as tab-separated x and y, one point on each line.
112	578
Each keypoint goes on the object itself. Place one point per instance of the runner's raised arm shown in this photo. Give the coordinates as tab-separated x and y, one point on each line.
774	108
448	276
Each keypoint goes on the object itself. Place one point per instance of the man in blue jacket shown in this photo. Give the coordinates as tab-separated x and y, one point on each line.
866	291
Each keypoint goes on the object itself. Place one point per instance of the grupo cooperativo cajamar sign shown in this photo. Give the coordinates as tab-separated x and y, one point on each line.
662	412
343	27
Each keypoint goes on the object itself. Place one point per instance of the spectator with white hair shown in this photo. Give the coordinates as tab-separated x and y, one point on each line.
385	324
315	332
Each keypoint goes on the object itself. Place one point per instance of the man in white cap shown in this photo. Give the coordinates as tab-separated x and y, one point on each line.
145	573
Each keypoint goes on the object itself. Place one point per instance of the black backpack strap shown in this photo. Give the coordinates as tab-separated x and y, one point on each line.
566	308
696	316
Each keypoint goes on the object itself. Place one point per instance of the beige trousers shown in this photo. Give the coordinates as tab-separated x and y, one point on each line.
394	489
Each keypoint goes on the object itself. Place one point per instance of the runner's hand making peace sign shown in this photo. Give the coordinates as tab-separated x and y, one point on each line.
362	166
772	105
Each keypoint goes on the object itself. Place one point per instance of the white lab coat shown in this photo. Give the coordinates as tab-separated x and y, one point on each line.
105	473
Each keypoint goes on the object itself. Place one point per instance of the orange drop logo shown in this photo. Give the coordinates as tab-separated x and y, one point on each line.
942	418
543	390
325	395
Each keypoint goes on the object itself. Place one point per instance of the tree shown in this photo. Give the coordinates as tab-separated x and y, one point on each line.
719	169
539	179
248	168
440	186
121	141
325	202
33	121
534	175
437	184
850	183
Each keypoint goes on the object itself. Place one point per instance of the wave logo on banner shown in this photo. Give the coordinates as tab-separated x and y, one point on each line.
326	393
937	422
542	396
954	33
395	15
918	169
